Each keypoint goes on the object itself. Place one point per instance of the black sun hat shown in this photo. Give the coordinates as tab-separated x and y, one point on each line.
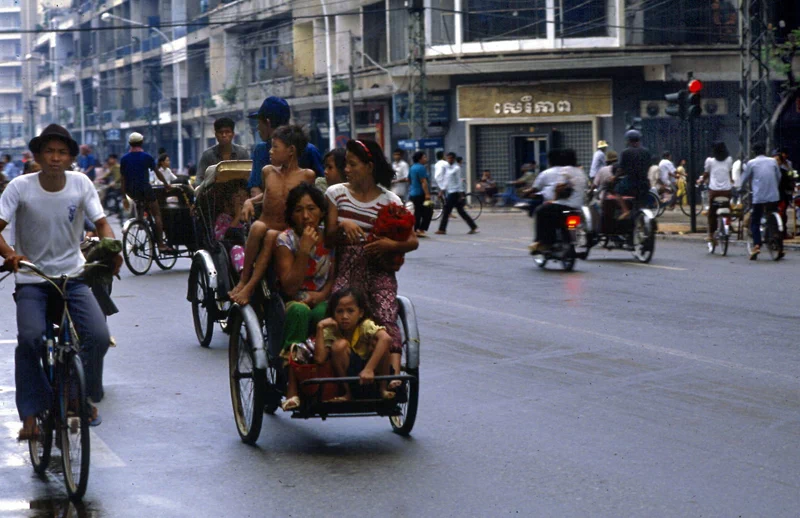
53	131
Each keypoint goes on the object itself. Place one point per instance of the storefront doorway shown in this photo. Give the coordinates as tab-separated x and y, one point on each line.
528	149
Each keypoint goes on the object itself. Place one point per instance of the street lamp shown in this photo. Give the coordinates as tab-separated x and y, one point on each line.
107	17
78	86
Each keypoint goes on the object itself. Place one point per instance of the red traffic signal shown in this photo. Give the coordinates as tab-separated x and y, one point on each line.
695	86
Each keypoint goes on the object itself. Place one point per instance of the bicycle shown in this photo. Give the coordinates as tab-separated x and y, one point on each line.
722	234
69	413
771	233
472	204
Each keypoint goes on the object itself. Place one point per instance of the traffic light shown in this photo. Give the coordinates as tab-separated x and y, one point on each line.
694	108
676	104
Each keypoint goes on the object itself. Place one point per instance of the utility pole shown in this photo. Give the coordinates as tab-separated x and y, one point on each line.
755	95
243	85
418	89
352	86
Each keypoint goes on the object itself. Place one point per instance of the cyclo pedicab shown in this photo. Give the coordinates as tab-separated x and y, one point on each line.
138	233
600	226
212	274
258	375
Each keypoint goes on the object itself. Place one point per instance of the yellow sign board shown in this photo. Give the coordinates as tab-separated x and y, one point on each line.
579	98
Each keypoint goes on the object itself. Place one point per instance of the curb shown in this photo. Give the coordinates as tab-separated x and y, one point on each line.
701	240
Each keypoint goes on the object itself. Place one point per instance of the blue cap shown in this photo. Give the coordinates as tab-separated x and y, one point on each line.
275	108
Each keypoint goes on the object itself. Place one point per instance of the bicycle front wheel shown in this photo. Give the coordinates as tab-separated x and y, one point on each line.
473	205
73	428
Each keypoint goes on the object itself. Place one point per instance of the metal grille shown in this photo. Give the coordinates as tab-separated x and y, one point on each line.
494	145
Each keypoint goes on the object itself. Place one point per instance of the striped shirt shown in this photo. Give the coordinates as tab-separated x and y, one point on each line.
360	213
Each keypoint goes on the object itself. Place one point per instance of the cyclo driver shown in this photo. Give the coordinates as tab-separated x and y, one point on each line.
630	176
49	210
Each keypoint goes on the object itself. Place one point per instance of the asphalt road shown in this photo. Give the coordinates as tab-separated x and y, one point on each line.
669	389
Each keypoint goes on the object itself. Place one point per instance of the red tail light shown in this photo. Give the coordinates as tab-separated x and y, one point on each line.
573	220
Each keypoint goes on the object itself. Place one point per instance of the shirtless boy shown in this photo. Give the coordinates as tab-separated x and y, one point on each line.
283	175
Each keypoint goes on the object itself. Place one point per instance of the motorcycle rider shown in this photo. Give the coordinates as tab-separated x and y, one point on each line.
563	187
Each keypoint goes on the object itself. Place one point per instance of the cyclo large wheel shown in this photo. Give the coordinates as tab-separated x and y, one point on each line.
473	205
40	446
203	305
403	423
74	428
644	239
137	249
248	384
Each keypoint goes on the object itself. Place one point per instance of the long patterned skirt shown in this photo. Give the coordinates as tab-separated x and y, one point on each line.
356	270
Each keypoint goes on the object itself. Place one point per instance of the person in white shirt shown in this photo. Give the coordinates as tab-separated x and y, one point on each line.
163	164
439	169
49	209
666	173
453	185
599	158
400	181
717	173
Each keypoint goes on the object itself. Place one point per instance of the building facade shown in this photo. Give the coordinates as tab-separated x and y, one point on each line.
12	104
506	79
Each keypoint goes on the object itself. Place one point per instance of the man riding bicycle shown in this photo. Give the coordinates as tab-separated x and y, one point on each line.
49	210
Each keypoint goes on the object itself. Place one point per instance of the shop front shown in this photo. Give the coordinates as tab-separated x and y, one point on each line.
510	125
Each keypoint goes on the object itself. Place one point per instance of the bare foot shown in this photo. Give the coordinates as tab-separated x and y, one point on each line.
242	297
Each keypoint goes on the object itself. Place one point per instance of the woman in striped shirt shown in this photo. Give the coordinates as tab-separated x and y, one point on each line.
352	211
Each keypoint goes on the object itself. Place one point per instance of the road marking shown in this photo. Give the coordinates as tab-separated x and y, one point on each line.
514	249
8	341
657	349
656	266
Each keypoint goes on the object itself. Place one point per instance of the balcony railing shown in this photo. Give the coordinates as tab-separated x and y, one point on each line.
198	24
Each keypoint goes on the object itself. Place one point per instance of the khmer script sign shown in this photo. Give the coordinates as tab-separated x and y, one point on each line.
579	98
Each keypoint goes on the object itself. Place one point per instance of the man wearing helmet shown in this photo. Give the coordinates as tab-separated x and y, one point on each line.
135	167
631	173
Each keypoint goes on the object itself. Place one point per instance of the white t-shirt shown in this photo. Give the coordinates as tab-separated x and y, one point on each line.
736	173
400	173
49	225
439	171
666	172
362	214
719	173
169	176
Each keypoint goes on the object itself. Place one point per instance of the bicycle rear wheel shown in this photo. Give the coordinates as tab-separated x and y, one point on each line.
40	446
473	205
438	207
137	247
73	428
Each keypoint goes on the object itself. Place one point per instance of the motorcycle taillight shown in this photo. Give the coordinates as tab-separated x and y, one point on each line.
573	220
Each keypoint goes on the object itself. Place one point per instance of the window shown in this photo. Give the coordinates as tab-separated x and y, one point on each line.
581	18
398	30
443	27
374	31
272	56
493	20
681	22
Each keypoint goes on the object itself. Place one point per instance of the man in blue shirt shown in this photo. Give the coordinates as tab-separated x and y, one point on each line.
10	169
87	162
275	112
765	175
419	193
135	167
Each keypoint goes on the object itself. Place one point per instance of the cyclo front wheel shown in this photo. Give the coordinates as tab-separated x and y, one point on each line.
40	446
74	428
137	247
248	384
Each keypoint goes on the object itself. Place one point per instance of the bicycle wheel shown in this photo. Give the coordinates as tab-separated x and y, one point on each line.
644	241
40	446
404	422
137	247
698	207
165	261
473	205
73	428
202	305
772	238
248	384
438	207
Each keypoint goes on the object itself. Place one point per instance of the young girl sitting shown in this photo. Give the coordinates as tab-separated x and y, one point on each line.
353	209
230	219
358	346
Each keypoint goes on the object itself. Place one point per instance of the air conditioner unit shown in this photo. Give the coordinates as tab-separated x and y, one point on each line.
656	109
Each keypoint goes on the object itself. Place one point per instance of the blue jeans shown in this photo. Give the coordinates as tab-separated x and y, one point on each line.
755	219
33	389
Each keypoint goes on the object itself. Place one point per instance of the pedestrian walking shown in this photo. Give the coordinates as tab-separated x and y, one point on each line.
224	149
455	197
420	194
400	181
765	175
599	158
